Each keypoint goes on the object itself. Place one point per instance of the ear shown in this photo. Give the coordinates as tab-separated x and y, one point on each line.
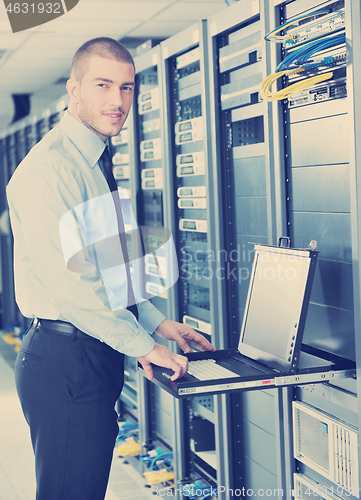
72	86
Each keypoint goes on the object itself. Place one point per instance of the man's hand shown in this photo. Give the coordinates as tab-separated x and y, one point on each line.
162	356
184	335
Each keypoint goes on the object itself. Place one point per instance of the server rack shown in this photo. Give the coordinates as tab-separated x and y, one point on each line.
353	20
16	141
120	150
243	158
199	451
314	127
8	297
271	190
139	150
150	167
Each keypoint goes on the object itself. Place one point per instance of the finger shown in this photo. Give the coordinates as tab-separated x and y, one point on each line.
177	372
203	344
179	367
184	365
198	340
183	344
148	370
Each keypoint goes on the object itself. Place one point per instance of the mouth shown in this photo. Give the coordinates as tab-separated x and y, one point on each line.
114	117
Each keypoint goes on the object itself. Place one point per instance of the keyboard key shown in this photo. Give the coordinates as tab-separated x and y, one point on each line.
207	369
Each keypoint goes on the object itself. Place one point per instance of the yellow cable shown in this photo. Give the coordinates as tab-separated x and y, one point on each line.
295	88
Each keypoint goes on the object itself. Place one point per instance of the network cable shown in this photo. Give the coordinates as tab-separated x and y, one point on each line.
300	61
295	88
164	457
148	457
301	56
271	36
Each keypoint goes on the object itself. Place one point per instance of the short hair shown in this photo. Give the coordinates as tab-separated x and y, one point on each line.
101	47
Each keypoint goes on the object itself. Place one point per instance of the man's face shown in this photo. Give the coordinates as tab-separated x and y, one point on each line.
105	95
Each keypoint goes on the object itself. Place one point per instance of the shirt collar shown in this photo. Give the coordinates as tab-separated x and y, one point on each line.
85	140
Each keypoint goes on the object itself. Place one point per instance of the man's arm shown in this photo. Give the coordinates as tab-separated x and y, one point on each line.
37	205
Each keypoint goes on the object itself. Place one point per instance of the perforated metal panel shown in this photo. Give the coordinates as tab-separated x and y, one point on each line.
313	439
327	445
306	488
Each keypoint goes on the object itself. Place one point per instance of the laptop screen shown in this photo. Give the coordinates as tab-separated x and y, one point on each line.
276	306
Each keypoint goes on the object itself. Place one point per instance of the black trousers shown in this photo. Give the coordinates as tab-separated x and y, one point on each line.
68	386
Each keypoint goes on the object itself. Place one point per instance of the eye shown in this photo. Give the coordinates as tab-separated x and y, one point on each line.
127	88
102	85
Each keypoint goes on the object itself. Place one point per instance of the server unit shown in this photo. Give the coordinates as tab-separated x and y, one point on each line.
327	445
305	487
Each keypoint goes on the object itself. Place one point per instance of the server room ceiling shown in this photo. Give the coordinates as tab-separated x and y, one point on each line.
32	61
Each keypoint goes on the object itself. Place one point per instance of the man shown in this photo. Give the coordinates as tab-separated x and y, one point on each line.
69	371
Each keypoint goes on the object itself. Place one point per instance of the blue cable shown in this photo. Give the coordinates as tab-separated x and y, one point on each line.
163	456
322	45
291	21
302	55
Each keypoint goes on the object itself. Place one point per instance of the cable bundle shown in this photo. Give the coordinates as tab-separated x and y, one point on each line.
301	56
159	474
298	61
295	88
271	36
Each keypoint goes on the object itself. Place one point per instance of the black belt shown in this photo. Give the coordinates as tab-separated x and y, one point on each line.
61	327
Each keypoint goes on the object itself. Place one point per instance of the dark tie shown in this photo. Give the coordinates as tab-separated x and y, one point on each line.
106	167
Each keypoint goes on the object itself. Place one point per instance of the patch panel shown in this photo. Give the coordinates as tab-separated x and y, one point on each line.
334	59
334	89
324	25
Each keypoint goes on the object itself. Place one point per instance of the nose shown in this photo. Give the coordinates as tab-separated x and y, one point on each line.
116	99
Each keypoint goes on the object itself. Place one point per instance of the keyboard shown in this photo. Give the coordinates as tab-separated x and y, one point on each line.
207	369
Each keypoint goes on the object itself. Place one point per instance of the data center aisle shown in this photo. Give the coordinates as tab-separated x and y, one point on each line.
17	480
